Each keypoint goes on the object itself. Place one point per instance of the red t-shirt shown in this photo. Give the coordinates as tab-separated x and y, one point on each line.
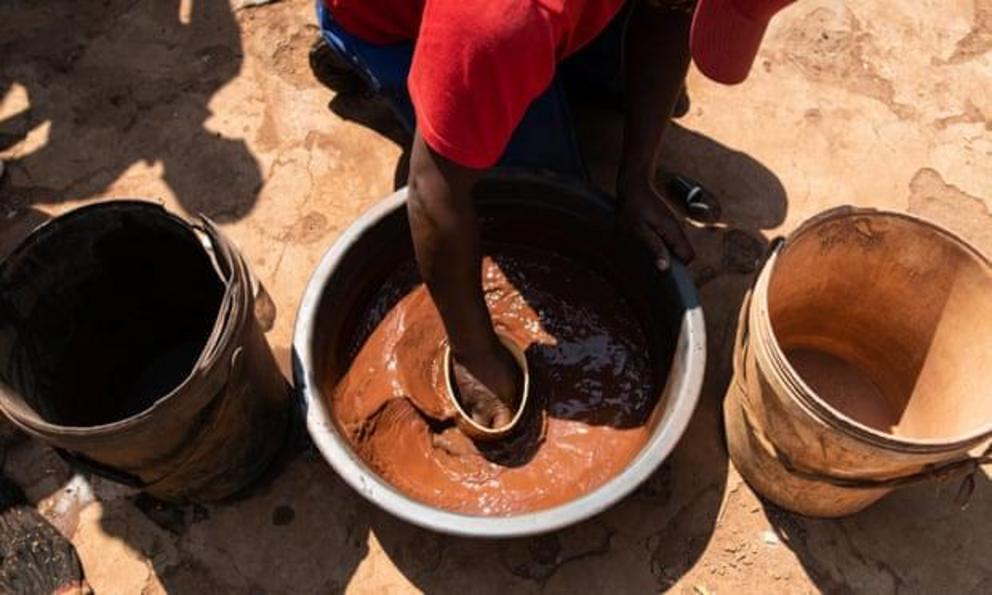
477	64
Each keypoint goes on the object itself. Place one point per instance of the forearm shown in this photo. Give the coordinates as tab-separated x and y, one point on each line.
445	234
657	58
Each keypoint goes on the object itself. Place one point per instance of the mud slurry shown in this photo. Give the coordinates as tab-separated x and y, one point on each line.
591	393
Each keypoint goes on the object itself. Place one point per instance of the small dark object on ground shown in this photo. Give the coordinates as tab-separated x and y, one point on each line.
698	203
333	71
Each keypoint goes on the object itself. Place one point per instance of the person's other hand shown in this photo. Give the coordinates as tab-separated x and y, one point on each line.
488	385
646	214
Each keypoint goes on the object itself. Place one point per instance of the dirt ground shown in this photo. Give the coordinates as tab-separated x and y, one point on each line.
210	108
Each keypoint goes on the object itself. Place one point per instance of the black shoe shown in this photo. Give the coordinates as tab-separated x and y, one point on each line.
333	71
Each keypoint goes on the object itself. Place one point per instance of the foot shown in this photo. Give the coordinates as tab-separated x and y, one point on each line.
333	71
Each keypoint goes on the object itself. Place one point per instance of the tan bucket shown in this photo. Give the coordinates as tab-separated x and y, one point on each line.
863	363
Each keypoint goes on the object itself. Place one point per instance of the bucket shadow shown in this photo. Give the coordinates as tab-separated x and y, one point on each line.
643	544
298	528
305	533
115	85
914	540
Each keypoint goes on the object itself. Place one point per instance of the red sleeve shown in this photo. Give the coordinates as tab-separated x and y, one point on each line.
477	66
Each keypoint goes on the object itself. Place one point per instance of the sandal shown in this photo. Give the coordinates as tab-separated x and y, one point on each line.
698	203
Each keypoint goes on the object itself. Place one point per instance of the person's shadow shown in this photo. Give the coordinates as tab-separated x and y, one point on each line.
90	89
108	85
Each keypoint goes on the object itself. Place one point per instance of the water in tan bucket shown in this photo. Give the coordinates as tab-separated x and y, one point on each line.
846	387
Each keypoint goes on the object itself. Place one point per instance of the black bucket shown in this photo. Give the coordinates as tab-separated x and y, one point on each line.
129	341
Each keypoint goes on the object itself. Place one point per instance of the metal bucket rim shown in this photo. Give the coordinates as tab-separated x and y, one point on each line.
683	394
807	397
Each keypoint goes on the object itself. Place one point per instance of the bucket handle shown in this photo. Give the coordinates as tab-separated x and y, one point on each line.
940	473
264	307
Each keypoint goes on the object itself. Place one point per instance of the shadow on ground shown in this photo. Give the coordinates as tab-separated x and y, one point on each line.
303	531
374	113
878	549
109	86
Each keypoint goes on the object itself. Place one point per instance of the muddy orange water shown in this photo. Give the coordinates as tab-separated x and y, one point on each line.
846	387
592	390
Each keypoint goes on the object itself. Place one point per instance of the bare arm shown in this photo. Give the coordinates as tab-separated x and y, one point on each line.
657	57
445	234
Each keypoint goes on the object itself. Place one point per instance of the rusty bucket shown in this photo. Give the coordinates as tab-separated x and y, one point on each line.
129	342
863	361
